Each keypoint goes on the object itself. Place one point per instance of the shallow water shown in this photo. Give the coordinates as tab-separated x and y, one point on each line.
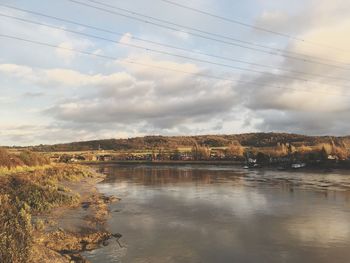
226	214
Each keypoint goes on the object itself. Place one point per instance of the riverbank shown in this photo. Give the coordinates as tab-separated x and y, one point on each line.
52	214
172	162
320	167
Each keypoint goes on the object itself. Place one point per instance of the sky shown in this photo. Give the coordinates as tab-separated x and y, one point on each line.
253	80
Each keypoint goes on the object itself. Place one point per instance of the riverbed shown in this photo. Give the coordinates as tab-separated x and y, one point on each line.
203	213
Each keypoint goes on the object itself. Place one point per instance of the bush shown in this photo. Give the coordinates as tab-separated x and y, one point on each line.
25	158
9	160
234	150
33	159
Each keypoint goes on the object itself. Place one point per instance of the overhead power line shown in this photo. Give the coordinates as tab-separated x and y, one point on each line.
232	20
247	25
162	52
198	30
275	52
128	61
202	31
165	45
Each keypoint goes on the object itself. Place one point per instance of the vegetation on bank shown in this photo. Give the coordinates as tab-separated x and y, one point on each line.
24	161
173	142
280	154
323	155
264	148
29	193
15	230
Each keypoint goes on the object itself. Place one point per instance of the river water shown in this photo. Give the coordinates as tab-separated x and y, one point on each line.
226	214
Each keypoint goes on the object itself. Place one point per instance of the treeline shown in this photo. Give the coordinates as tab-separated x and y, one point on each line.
234	151
24	158
173	142
282	152
323	152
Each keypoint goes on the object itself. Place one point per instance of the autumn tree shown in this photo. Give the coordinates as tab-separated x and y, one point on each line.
331	149
235	149
341	152
200	152
304	149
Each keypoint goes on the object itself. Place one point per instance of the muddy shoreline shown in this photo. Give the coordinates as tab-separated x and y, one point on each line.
71	230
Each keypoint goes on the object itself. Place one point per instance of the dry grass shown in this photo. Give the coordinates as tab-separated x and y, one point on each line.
11	160
25	191
16	230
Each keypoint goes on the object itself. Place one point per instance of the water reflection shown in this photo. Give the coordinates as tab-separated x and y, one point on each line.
225	214
147	175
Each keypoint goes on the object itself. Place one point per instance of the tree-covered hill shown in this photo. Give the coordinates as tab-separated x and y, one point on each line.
172	142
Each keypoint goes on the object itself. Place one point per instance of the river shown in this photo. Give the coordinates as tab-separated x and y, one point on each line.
190	213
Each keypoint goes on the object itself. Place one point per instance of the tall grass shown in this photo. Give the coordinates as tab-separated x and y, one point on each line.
25	158
21	169
16	231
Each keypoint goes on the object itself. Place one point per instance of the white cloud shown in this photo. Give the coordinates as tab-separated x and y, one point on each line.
159	99
16	70
95	98
320	105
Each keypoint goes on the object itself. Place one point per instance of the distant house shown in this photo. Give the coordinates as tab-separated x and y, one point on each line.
251	160
298	165
332	157
105	158
73	160
217	155
186	157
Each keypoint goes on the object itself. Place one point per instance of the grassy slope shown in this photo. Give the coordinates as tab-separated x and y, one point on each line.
28	193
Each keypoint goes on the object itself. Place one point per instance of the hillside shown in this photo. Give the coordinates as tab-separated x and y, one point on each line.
172	142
